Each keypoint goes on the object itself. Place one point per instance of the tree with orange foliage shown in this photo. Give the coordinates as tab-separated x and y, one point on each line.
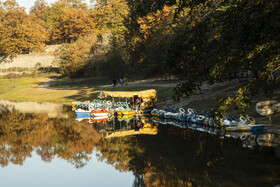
19	32
74	23
158	22
150	42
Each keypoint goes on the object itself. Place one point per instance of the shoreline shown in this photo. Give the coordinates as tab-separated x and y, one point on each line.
39	89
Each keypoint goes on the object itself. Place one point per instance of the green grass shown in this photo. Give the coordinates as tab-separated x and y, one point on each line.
26	89
14	86
82	82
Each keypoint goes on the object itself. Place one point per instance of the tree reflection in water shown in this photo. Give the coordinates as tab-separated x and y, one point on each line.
65	138
165	156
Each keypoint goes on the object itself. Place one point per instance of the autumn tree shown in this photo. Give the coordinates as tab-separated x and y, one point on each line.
109	16
74	23
68	20
154	32
40	9
77	4
19	32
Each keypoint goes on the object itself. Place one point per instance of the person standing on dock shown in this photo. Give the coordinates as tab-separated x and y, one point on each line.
114	82
126	81
121	81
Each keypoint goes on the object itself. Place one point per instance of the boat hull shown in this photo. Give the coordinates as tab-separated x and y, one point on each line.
243	128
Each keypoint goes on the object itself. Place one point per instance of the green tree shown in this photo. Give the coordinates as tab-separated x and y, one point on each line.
214	41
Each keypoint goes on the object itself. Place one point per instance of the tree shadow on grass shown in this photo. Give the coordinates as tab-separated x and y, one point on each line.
85	95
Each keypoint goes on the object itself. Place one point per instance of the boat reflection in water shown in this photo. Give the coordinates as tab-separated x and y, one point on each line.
125	126
250	139
119	126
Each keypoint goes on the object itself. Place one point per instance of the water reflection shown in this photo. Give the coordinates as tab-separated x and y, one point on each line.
183	156
126	126
51	109
158	153
251	139
186	154
23	133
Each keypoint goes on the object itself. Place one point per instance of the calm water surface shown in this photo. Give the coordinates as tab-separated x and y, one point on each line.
50	147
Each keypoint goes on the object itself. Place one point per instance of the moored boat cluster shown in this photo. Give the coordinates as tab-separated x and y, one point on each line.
128	104
228	122
98	109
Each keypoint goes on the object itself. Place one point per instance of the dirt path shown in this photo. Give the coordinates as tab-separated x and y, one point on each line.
149	82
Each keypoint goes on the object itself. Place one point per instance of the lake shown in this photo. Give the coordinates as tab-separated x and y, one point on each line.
42	144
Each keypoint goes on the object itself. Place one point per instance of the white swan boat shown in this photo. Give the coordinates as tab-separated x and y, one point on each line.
265	108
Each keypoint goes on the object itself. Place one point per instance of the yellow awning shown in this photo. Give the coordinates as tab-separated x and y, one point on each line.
146	93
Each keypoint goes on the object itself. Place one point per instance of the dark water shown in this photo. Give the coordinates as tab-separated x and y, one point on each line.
50	149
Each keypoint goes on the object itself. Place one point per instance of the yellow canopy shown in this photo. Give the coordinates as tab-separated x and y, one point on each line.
146	93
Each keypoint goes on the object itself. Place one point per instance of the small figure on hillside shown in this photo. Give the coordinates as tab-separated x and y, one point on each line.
121	81
125	81
114	82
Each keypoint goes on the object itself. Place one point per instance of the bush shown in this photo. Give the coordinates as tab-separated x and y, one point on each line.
74	58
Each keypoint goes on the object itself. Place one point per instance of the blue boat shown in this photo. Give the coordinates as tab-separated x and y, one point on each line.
84	113
244	127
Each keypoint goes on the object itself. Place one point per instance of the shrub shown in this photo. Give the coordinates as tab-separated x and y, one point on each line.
74	58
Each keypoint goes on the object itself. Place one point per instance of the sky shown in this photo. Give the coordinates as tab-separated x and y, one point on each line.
29	3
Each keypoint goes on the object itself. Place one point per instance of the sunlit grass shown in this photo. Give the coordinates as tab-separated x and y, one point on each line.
66	91
82	82
12	87
26	89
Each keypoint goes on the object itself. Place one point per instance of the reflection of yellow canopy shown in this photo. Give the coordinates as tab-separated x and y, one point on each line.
125	118
149	131
146	93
